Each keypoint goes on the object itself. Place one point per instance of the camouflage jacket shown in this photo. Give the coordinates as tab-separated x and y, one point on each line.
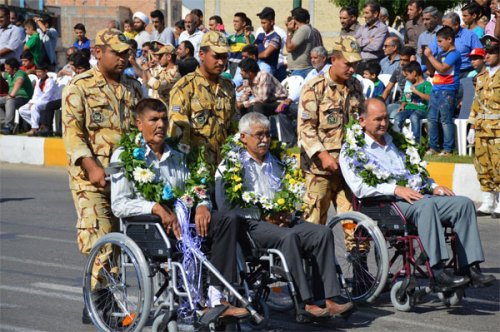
201	113
94	116
162	82
324	109
485	112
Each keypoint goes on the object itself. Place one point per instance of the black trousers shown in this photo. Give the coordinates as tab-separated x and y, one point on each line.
304	238
47	115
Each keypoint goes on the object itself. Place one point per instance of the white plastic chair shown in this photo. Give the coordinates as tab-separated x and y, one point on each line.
293	84
368	87
32	78
385	78
461	120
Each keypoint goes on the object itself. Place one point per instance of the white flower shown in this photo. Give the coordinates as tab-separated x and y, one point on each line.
356	128
143	175
233	156
184	148
361	156
370	167
247	197
414	182
201	170
236	138
138	139
351	139
408	134
412	152
423	164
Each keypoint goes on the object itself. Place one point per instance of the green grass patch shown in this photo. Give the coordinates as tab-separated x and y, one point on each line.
456	159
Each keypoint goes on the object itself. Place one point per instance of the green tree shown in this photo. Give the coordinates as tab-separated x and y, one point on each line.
399	7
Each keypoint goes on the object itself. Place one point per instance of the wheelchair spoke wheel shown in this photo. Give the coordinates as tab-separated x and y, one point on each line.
361	255
117	284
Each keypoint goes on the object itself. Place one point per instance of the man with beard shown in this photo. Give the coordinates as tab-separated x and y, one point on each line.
96	110
431	17
140	23
415	25
192	33
349	21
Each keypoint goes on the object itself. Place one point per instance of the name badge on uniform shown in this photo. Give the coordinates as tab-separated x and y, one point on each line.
175	108
97	117
332	116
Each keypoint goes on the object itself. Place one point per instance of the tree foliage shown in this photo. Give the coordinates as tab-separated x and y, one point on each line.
399	7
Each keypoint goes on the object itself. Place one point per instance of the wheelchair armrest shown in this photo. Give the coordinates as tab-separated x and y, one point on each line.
377	199
143	218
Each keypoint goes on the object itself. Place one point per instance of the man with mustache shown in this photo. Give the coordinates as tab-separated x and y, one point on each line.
96	110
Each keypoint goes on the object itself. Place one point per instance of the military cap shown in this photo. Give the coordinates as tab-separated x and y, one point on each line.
113	38
348	46
491	43
169	49
216	41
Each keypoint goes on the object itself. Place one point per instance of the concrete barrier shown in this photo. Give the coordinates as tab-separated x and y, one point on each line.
461	178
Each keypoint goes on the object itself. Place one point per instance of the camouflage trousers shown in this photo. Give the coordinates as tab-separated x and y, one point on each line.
487	163
95	220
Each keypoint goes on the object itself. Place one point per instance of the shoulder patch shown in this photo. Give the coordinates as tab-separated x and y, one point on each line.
175	108
86	75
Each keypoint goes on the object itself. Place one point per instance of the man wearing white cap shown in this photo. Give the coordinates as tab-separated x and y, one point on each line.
141	20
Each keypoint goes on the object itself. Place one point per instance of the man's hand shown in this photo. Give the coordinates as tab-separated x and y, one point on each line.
168	219
427	52
471	136
279	219
407	194
202	220
442	191
95	173
328	163
291	26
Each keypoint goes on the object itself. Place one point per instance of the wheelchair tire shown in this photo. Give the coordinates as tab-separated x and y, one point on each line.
364	271
123	300
159	326
280	301
452	298
405	304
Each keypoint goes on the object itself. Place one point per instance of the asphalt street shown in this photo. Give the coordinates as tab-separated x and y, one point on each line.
41	269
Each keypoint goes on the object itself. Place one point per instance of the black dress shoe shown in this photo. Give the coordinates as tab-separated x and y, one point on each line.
447	279
479	280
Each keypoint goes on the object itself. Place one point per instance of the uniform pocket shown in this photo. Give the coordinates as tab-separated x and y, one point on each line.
331	118
99	114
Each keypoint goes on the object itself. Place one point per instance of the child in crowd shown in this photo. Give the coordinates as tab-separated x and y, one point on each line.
415	99
371	71
471	13
33	44
477	60
28	64
81	40
128	31
46	90
446	69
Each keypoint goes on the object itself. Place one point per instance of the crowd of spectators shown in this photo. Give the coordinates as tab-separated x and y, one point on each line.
412	65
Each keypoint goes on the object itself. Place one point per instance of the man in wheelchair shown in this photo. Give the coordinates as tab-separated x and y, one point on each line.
428	210
262	175
169	166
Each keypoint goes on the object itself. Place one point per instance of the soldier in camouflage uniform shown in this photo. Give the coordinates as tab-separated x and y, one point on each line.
485	129
326	103
202	103
162	81
96	109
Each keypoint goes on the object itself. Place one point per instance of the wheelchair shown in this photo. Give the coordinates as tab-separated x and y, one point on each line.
384	252
140	278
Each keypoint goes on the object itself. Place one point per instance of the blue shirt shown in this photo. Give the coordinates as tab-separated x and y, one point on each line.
465	42
263	41
425	39
449	80
389	67
85	44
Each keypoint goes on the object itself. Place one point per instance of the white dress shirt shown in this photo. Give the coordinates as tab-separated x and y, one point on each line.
388	157
171	169
259	183
195	39
166	36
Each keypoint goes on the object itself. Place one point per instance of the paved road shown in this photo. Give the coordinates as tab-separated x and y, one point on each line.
41	268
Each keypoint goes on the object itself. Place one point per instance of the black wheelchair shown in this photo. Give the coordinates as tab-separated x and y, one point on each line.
384	252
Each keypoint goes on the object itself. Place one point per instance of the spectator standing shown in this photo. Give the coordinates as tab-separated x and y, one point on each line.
384	18
264	92
495	14
11	39
140	23
49	36
431	17
19	93
371	35
179	28
17	20
349	21
27	63
370	72
46	90
415	99
477	59
33	44
161	33
485	129
162	82
415	24
470	15
199	14
128	30
465	42
446	83
390	62
81	39
192	33
269	41
242	37
299	43
215	24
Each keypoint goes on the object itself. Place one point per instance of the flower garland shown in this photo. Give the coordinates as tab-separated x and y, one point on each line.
415	174
143	178
287	199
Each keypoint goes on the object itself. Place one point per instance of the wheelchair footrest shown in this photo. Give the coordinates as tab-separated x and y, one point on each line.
212	315
279	271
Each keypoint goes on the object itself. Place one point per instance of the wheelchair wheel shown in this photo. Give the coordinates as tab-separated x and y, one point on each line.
403	302
118	295
362	256
279	299
451	298
159	326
